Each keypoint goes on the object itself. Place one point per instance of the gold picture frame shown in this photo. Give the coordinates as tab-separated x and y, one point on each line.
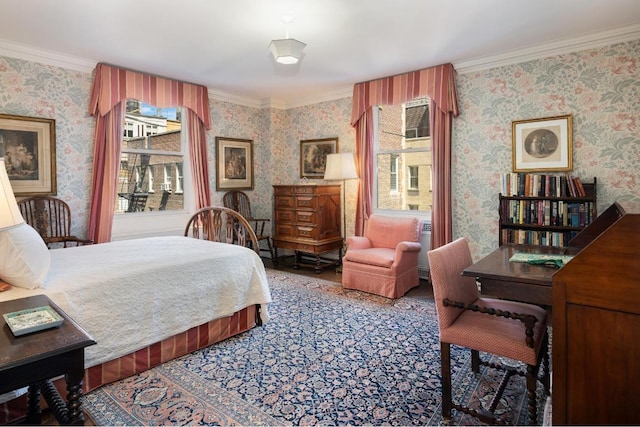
28	145
313	156
542	145
234	164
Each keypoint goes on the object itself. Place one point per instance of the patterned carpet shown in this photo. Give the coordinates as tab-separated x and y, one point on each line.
328	356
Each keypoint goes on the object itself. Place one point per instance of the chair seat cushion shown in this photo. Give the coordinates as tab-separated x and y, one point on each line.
382	257
495	334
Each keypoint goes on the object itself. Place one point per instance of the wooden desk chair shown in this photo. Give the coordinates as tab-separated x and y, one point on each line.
51	218
508	329
239	202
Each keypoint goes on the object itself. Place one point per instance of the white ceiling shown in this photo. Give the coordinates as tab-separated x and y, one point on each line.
223	44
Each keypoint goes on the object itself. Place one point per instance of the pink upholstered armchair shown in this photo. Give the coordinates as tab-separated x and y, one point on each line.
385	260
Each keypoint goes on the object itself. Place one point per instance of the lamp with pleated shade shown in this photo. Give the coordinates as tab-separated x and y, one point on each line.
9	212
341	166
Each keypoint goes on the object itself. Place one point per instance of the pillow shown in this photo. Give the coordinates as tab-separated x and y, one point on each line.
24	257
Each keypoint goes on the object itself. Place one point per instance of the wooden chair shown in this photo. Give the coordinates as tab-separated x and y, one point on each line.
239	202
224	225
507	329
51	218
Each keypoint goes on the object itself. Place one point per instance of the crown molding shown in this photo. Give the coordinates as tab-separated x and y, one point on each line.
234	99
624	34
332	95
577	44
46	57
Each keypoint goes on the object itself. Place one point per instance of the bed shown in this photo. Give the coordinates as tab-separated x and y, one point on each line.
147	301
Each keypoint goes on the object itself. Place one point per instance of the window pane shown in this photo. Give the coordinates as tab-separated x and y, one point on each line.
143	180
413	177
151	160
417	120
403	157
414	188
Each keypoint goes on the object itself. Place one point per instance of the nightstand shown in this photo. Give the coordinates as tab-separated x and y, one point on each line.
34	359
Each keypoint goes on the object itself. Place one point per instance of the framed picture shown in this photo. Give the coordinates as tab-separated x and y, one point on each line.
234	164
542	144
313	156
28	145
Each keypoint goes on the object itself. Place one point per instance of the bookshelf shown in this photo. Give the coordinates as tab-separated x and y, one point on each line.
546	210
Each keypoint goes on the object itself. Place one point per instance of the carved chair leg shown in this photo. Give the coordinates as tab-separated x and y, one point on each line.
532	381
445	362
546	379
475	361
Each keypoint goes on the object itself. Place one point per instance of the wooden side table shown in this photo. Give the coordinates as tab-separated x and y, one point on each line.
34	359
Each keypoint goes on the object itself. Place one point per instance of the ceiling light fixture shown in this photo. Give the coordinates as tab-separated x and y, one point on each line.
287	50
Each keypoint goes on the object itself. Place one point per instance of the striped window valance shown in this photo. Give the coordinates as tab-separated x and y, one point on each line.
112	85
438	83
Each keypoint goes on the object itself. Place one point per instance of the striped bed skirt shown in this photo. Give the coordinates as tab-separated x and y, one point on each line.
138	361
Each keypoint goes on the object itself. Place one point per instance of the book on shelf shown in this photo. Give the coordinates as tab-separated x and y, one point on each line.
541	185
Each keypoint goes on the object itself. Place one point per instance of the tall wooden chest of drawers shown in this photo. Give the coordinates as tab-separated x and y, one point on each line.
307	221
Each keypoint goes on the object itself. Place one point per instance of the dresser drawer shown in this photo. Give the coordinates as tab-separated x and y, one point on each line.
285	215
306	217
285	230
303	202
284	202
282	189
307	232
305	189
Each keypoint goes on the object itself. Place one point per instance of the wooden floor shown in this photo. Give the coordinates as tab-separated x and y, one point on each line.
423	291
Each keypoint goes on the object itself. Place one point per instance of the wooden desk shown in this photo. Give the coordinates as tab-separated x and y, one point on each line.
517	281
33	359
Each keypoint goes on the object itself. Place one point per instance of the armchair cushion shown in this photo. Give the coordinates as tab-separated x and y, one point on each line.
385	260
382	257
498	335
387	232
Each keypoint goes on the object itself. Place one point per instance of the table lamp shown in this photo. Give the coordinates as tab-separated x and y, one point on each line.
341	166
9	211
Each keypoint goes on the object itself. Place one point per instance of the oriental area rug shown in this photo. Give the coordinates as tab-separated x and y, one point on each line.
327	357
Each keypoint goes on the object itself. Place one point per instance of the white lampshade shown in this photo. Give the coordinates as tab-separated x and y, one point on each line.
340	166
9	212
287	51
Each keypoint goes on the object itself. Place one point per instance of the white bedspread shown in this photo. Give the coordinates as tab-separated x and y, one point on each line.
132	293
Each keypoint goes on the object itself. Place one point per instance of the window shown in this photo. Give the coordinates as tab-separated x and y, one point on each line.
402	160
152	148
128	129
393	172
150	187
413	178
179	179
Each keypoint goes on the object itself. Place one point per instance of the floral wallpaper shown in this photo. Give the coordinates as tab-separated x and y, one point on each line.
237	121
599	87
35	90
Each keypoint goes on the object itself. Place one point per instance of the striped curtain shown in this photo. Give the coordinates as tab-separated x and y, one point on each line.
111	88
437	83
